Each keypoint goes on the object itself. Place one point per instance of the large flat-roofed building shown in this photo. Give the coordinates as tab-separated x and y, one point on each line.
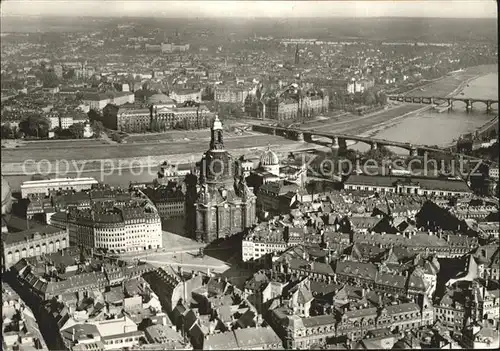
188	117
234	93
133	226
182	95
32	242
98	101
133	120
43	187
406	185
282	109
172	47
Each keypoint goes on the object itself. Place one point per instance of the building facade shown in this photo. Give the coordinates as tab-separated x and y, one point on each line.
168	199
282	109
133	120
405	185
31	243
43	187
131	227
234	94
189	117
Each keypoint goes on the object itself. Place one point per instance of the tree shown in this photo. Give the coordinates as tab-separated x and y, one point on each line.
7	132
15	131
378	154
369	97
94	115
19	134
109	116
76	130
58	131
35	125
97	127
50	79
381	98
154	126
70	74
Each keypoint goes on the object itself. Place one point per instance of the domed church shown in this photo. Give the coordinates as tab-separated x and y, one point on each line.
270	170
218	203
269	162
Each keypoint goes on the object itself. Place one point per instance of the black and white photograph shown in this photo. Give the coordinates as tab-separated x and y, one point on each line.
249	175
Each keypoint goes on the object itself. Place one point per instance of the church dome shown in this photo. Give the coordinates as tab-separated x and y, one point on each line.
160	99
269	158
6	197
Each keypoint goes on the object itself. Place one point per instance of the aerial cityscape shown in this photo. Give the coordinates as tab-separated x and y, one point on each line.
233	175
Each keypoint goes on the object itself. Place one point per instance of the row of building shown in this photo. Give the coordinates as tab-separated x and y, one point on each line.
88	304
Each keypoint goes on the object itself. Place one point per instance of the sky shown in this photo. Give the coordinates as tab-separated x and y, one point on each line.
249	9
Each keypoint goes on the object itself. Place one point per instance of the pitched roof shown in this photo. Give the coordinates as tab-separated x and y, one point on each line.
249	338
304	295
221	341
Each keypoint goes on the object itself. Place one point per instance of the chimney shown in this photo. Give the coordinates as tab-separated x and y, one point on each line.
363	292
73	336
208	272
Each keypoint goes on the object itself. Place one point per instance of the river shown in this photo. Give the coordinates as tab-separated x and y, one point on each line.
433	128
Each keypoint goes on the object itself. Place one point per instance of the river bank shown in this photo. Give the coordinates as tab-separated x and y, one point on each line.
119	157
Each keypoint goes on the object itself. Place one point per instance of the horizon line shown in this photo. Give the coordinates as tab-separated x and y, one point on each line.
240	17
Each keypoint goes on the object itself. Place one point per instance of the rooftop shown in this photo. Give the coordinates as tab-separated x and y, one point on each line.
30	234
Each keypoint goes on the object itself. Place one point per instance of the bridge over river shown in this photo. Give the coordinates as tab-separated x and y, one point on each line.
339	140
468	102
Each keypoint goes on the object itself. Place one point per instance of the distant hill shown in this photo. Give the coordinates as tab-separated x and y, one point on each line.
407	29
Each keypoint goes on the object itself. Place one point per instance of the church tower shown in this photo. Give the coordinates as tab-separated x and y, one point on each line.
216	139
297	56
217	166
216	206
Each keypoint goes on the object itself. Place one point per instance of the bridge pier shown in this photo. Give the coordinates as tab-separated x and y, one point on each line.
273	131
373	146
335	143
307	138
450	103
488	106
299	136
413	151
469	106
